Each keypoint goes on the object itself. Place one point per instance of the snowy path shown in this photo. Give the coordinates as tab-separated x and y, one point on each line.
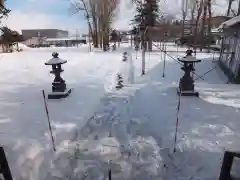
24	130
132	131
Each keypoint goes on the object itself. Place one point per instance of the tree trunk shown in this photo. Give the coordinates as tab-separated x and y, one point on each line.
229	7
209	23
184	14
193	9
96	43
149	36
105	40
88	18
183	24
196	35
203	29
100	37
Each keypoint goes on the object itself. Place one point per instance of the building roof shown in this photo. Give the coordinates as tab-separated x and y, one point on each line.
41	30
64	39
230	22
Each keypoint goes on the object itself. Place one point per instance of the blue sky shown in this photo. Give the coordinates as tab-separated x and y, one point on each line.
43	14
30	14
51	7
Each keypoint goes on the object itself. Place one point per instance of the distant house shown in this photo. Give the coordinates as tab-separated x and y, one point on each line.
216	21
47	33
37	37
229	59
71	41
166	31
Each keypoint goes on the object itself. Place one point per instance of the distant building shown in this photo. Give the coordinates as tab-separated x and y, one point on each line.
44	33
65	42
60	42
216	21
166	31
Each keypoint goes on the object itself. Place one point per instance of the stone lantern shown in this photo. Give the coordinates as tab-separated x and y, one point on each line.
59	89
186	84
125	56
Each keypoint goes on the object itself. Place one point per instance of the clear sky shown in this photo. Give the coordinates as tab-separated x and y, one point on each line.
43	14
29	14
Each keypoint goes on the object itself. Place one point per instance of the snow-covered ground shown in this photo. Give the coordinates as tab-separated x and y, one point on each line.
130	131
24	129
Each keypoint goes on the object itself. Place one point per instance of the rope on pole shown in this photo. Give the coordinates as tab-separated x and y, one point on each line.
206	72
177	122
176	60
48	118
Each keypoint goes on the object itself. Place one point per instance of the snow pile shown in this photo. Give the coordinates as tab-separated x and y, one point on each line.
20	46
110	140
23	46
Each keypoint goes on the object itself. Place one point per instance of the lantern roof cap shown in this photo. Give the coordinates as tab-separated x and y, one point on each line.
55	60
189	59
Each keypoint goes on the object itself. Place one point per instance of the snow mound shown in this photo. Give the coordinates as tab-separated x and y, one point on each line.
108	141
21	46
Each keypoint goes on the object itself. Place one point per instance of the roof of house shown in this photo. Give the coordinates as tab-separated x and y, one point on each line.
42	30
65	39
230	22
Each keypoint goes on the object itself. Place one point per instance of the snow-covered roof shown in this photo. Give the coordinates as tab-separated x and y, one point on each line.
230	22
215	30
64	39
55	61
189	59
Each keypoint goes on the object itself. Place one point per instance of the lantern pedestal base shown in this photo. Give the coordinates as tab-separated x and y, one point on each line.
187	93
59	95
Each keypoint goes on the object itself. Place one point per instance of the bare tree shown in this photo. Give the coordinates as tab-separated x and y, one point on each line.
106	12
209	5
184	14
99	15
205	13
193	8
229	7
81	5
199	12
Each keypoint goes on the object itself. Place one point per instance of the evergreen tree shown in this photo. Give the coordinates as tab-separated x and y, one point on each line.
3	10
146	17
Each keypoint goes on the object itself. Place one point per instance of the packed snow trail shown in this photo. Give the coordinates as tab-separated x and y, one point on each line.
132	132
110	140
24	129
